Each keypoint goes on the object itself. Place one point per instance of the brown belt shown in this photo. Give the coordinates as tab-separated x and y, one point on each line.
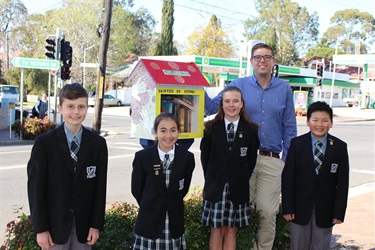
271	154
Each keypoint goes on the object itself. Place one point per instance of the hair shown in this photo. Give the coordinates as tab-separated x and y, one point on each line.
163	116
319	106
72	91
220	115
262	45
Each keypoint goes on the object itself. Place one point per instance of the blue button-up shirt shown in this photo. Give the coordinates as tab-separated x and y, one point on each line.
271	108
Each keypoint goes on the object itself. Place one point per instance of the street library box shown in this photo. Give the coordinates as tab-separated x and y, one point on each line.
166	86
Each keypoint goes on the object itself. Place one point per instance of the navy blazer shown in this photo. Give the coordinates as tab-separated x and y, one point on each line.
220	165
152	195
57	195
302	189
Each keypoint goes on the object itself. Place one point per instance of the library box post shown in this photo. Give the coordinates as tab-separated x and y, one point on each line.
166	86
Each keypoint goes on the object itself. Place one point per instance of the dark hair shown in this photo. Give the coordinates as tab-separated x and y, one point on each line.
261	45
220	115
72	91
319	106
163	116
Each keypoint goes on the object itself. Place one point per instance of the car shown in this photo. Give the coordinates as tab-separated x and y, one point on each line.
108	100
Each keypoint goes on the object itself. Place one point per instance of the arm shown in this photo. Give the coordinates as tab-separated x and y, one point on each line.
36	186
138	178
289	124
253	150
98	213
211	105
205	152
189	173
287	184
341	197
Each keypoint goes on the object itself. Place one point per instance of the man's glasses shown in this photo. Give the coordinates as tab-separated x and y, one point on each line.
259	58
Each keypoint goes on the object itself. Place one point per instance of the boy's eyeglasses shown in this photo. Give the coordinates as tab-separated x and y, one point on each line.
259	58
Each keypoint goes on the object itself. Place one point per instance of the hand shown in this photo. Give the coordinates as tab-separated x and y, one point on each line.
44	240
288	217
93	236
336	221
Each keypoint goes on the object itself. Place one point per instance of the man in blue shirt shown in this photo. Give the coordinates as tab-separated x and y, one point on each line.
269	103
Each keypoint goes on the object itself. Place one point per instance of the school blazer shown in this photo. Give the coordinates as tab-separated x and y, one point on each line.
221	165
152	195
57	195
302	189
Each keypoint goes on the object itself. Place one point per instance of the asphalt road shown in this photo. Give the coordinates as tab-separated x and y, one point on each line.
116	125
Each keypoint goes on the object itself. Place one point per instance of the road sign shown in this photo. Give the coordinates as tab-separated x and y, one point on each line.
53	72
34	63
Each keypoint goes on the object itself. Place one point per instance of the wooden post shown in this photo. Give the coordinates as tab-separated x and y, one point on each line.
97	119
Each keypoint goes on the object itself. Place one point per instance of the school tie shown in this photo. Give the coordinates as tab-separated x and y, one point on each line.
230	135
318	156
166	162
74	151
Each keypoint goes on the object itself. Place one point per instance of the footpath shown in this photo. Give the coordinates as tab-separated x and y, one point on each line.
358	230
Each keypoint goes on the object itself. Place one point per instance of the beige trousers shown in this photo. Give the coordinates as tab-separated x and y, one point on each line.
265	189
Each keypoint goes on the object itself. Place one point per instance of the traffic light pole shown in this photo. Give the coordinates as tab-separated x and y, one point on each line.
56	76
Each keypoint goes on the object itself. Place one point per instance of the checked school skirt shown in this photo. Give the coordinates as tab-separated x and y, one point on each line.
225	213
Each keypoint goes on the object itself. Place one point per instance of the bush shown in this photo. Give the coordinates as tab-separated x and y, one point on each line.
120	222
20	235
32	128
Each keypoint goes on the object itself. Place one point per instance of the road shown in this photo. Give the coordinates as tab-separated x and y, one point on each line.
121	146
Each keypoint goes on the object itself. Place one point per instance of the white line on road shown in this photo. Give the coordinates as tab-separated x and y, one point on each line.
363	171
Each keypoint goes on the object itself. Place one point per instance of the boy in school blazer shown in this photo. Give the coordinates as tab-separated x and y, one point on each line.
60	195
315	200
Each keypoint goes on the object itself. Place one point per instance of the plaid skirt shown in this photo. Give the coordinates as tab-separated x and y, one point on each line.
165	242
225	213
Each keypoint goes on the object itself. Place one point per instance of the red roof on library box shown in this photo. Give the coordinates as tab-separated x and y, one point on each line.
168	72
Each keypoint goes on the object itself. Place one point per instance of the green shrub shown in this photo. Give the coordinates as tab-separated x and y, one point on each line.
20	235
120	222
118	227
32	128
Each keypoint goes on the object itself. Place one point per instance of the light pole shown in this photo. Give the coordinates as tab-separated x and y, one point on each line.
241	51
84	61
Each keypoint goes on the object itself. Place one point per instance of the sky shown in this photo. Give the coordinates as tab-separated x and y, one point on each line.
189	14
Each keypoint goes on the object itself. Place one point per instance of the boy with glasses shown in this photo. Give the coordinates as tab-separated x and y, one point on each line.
269	103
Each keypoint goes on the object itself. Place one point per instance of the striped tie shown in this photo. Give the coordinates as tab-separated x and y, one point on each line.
74	151
318	156
230	135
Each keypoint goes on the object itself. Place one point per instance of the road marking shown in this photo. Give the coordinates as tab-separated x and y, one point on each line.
361	189
15	152
129	148
362	171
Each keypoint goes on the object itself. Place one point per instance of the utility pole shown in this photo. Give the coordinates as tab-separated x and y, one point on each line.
97	119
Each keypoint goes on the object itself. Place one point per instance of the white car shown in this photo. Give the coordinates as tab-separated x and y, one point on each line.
107	101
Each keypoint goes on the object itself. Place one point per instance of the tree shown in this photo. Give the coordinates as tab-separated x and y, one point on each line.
212	41
165	44
11	11
349	26
285	26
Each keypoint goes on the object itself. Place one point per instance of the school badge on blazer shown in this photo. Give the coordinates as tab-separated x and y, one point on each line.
91	172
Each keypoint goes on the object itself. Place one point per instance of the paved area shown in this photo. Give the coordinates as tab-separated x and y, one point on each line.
358	230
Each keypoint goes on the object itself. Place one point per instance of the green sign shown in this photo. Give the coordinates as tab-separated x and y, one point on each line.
33	63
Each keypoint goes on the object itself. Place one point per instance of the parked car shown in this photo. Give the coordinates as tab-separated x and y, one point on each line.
108	100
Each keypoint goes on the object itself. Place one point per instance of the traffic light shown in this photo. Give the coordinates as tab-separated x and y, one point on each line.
51	47
319	82
66	53
275	70
319	70
65	72
66	59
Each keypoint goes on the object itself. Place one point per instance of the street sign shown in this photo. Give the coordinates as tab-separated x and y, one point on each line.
53	72
90	65
34	63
